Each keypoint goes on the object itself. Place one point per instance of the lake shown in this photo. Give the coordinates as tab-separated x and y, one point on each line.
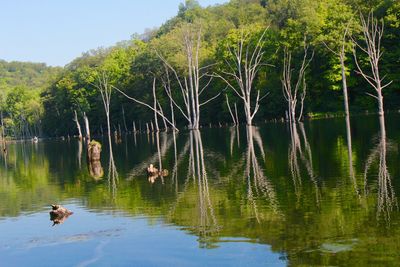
314	193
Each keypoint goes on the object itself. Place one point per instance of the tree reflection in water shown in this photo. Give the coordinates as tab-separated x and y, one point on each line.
387	200
258	185
299	146
204	225
112	175
79	155
208	222
350	156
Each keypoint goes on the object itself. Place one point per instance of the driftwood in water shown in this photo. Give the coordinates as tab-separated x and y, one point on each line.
59	214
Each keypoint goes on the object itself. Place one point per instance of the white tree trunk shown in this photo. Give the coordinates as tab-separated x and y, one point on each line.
78	126
373	33
86	120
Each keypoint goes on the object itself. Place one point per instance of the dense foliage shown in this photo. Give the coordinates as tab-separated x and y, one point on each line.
21	84
133	64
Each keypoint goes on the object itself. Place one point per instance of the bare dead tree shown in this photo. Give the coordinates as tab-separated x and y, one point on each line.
167	87
243	66
103	84
163	117
78	126
155	106
159	113
341	53
230	110
291	91
191	85
87	128
372	32
134	127
123	118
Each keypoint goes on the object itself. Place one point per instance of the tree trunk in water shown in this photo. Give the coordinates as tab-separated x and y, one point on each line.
123	117
293	114
95	168
248	113
380	103
86	120
345	97
109	131
236	114
94	150
78	125
155	107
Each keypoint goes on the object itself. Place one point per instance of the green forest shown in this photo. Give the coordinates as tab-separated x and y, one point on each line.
246	61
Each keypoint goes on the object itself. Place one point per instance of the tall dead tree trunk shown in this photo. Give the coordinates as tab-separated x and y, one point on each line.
292	92
123	118
155	105
167	87
230	110
159	113
190	84
341	53
86	120
372	32
105	88
2	128
244	66
78	126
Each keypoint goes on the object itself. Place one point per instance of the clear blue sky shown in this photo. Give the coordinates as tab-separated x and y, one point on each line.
57	31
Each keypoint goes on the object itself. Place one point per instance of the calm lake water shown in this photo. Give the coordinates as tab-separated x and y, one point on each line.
272	195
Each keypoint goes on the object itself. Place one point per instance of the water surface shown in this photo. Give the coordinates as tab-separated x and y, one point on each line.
317	193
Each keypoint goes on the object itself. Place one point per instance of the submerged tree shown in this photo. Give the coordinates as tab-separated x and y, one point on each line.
243	59
335	35
372	33
103	84
291	88
190	78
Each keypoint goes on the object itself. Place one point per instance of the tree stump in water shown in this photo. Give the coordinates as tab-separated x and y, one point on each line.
95	168
59	214
94	150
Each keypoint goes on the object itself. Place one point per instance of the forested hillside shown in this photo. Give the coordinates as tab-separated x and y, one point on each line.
21	84
258	56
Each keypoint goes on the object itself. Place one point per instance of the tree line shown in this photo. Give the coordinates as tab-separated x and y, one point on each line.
245	61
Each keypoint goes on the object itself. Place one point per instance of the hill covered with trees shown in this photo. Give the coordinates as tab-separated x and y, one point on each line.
244	61
21	84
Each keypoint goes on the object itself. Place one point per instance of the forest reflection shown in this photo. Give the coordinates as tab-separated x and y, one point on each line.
288	185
